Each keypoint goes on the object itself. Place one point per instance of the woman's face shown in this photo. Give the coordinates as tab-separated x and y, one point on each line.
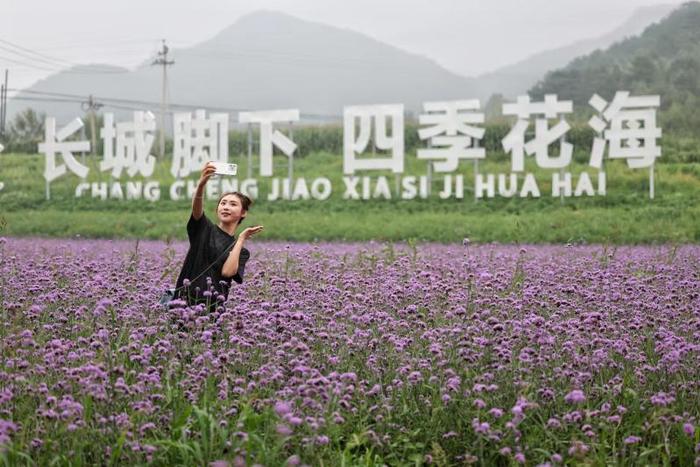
230	209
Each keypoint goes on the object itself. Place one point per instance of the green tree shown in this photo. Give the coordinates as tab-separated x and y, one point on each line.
26	131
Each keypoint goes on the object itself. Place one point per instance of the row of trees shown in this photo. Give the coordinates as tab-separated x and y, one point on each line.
26	131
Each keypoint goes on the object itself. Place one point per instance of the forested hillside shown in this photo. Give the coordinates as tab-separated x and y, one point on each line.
664	60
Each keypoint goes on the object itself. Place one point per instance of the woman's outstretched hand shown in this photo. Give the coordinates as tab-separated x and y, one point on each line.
249	232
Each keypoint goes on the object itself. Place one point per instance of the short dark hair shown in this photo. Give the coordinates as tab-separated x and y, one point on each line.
245	199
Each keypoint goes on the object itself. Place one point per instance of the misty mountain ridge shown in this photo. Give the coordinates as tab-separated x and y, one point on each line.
269	60
516	79
663	60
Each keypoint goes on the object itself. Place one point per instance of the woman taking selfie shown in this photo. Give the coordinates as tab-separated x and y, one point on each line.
215	256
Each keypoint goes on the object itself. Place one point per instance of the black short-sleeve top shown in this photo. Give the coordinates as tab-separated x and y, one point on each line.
209	248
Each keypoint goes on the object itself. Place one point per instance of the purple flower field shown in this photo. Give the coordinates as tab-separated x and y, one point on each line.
352	354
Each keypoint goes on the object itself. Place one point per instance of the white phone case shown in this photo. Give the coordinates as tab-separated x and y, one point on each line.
224	168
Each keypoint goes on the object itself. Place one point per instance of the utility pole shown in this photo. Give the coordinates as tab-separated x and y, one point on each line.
163	60
3	104
2	109
91	106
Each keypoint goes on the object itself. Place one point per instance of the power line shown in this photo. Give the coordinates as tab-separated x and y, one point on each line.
80	102
86	68
46	99
29	51
36	56
300	57
19	62
27	56
131	103
92	45
113	99
39	63
259	55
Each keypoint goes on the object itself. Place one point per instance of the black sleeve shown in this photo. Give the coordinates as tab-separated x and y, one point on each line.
196	226
242	259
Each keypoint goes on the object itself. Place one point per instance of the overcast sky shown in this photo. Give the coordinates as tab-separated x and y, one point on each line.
465	36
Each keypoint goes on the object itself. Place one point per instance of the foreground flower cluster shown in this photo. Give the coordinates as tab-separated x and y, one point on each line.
364	354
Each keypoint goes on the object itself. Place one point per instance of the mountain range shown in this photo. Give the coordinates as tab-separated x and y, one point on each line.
664	60
269	60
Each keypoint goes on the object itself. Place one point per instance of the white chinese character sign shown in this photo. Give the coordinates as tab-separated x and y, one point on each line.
381	124
127	146
514	142
269	136
56	143
197	140
450	132
628	126
449	127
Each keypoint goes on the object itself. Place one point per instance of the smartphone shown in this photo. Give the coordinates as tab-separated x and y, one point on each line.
224	168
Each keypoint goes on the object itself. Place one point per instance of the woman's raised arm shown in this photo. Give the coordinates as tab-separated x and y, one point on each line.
197	200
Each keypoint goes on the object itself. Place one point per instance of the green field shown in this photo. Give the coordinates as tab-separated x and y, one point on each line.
626	215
